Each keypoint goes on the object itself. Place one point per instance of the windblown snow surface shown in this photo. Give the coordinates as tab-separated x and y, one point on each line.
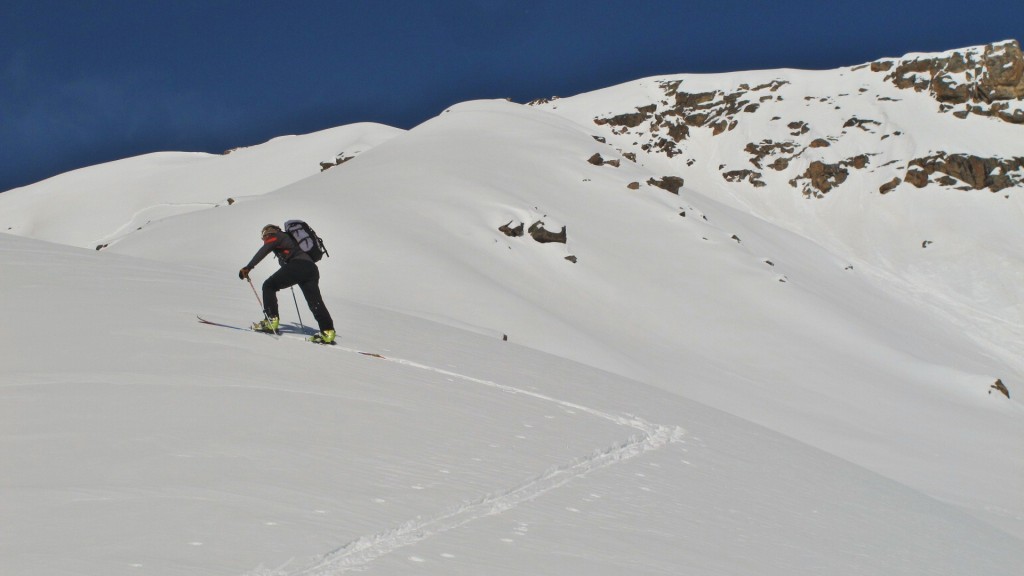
732	391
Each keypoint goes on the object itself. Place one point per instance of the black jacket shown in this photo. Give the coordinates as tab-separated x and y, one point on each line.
283	246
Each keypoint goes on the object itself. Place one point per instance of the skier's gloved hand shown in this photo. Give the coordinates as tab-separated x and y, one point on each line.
243	274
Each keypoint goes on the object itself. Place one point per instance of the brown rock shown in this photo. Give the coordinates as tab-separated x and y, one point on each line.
978	173
670	183
889	186
918	178
1000	387
540	234
629	120
824	177
996	74
754	178
512	232
1003	78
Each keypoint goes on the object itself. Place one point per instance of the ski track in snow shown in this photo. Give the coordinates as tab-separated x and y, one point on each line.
360	552
133	223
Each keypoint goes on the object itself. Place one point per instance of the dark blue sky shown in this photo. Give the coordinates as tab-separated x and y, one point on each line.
84	82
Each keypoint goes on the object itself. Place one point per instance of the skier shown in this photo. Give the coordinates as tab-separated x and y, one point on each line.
296	268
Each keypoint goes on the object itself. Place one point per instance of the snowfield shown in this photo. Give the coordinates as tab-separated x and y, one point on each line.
707	382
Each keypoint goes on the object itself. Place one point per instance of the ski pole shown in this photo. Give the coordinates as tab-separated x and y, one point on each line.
257	296
296	300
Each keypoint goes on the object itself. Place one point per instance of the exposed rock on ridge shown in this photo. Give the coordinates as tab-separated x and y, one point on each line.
978	173
857	129
982	80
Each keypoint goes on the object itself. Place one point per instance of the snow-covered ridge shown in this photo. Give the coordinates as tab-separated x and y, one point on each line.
985	79
790	118
95	206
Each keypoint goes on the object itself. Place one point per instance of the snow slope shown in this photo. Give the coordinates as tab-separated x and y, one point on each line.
169	447
955	250
714	385
826	356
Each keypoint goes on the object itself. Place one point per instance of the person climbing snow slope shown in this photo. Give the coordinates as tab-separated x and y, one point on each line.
296	268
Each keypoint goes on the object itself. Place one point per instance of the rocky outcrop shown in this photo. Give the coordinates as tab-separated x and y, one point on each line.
544	236
798	128
821	177
817	156
750	176
536	231
682	111
862	123
966	82
338	160
539	101
670	183
765	148
977	173
629	119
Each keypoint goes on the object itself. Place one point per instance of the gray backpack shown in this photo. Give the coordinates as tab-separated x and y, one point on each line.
307	239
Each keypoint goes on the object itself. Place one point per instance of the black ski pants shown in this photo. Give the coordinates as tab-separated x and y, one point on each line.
307	276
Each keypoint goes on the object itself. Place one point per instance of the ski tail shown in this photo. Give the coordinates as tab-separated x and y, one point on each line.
211	323
250	329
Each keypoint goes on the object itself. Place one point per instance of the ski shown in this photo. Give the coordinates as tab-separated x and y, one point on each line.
212	323
288	334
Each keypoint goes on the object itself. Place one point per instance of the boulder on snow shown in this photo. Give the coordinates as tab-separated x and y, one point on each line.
544	236
889	186
824	177
598	160
338	160
1000	387
669	183
508	230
